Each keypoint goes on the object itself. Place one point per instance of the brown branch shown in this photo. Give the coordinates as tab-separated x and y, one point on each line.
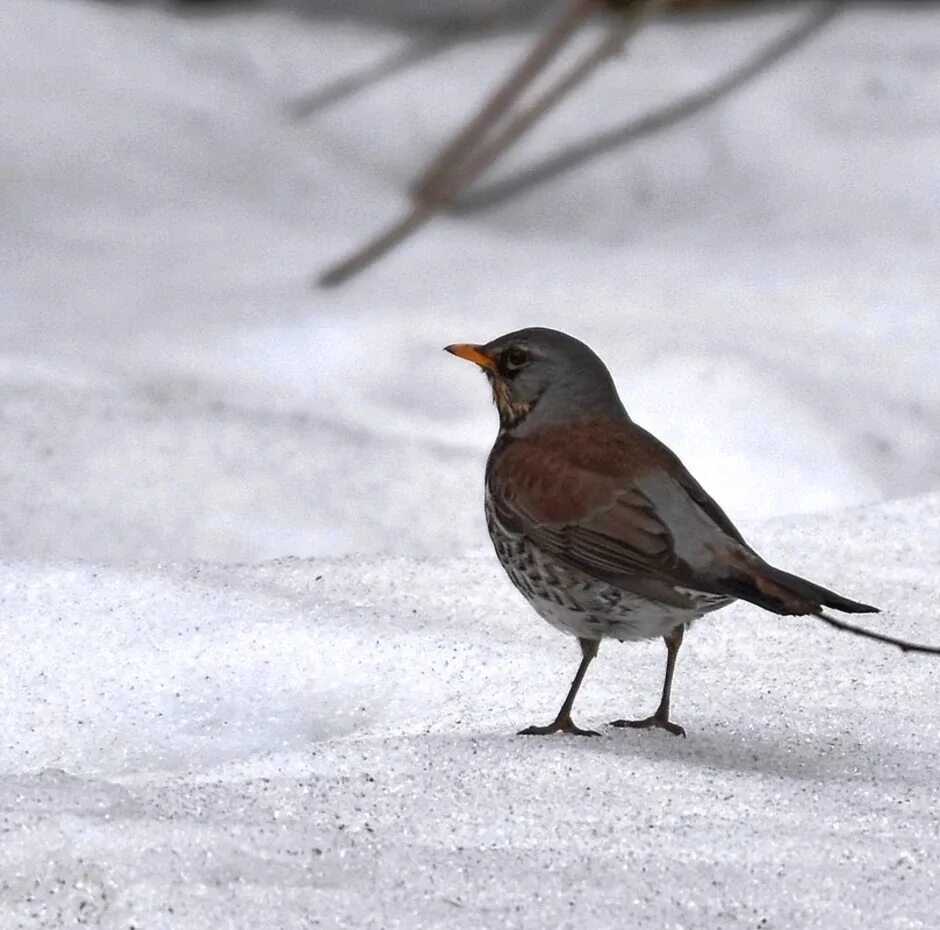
376	247
658	120
448	186
544	51
902	644
418	50
411	54
623	28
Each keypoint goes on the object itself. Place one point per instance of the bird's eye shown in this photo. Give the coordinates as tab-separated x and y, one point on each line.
514	358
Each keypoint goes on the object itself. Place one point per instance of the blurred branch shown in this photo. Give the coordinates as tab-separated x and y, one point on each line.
376	247
546	49
482	157
464	159
656	121
476	147
413	53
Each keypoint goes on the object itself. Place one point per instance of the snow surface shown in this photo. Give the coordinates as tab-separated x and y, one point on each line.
195	737
330	743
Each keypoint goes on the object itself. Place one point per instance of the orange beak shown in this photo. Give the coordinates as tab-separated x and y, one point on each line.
471	353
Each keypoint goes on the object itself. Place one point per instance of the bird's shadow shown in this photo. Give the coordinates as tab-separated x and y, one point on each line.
724	748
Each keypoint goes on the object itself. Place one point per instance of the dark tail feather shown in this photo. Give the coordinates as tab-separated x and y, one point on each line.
783	593
823	597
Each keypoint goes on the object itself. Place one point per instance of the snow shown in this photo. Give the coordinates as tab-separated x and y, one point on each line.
261	669
330	742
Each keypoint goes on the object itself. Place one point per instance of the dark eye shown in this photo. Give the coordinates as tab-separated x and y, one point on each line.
514	358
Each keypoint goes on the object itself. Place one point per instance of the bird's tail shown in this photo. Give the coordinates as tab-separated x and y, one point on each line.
768	587
755	581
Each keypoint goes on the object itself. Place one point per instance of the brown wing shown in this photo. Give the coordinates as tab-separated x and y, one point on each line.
608	502
696	492
581	497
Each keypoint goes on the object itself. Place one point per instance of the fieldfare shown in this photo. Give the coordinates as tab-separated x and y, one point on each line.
601	527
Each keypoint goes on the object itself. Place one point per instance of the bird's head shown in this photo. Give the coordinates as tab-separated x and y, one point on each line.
542	377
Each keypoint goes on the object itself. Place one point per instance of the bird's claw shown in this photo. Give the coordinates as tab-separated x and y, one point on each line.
649	723
562	725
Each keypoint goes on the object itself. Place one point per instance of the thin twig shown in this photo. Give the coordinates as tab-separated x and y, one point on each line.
449	34
902	644
376	247
464	173
653	122
413	53
546	49
626	25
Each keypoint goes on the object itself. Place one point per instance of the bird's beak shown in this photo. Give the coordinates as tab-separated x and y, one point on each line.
472	353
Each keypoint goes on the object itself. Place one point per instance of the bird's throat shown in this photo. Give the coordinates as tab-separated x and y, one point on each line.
511	412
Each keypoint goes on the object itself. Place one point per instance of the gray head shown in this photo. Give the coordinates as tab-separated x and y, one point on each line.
542	377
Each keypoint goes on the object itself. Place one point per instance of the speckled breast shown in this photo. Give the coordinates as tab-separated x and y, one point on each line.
576	603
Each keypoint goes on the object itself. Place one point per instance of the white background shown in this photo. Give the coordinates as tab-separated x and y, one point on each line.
326	740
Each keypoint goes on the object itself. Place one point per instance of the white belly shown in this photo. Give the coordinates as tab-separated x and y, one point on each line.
633	618
575	603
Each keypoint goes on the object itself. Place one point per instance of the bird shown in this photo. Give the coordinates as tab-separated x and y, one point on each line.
601	527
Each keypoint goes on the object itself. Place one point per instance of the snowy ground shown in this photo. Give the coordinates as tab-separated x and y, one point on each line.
330	743
326	739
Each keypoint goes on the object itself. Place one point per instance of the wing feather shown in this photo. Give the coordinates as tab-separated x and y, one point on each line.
611	503
589	521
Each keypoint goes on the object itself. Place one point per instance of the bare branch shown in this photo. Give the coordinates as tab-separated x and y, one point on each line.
546	49
623	28
411	54
449	34
656	121
902	644
448	186
376	247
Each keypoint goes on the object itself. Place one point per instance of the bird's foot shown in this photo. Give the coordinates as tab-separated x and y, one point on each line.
561	725
657	721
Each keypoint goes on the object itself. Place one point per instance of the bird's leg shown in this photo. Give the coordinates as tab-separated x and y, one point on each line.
563	722
660	719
